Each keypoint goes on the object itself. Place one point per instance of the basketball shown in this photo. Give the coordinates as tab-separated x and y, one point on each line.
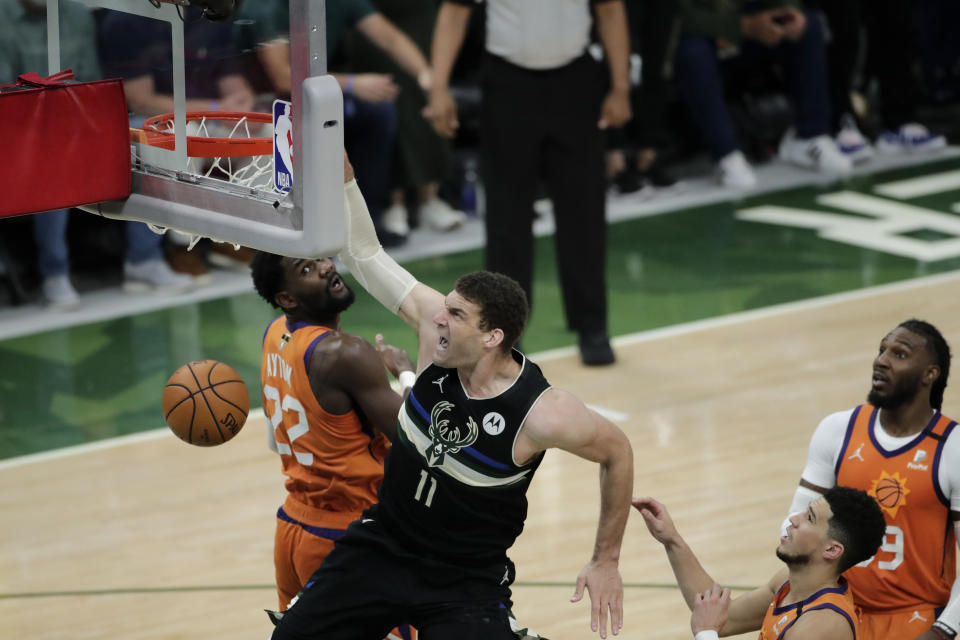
205	402
888	492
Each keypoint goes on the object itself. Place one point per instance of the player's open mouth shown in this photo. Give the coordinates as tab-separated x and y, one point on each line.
336	283
879	380
442	344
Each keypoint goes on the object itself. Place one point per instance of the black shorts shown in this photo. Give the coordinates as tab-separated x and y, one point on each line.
370	584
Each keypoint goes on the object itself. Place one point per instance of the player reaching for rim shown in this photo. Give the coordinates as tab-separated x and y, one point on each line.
906	454
470	435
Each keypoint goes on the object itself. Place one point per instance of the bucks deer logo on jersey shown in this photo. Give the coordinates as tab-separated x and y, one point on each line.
445	437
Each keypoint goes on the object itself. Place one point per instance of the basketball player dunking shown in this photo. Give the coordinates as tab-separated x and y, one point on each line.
906	454
470	435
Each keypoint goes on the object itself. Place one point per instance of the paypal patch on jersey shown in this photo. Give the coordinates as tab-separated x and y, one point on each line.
282	146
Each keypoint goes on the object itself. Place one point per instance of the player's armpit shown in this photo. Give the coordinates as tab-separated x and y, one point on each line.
560	420
823	624
746	612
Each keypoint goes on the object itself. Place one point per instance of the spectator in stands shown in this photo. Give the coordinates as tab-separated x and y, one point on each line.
23	48
636	160
543	109
139	50
761	31
421	158
891	57
369	111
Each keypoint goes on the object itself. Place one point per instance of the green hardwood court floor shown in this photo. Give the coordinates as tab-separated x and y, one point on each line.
89	382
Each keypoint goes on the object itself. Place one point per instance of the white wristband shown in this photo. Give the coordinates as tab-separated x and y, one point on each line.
707	634
406	380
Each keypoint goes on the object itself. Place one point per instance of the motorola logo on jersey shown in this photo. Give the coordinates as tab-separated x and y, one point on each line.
493	423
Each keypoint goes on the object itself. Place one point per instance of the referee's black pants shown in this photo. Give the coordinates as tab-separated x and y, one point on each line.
543	124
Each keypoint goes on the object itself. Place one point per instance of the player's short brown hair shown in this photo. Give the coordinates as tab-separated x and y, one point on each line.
503	304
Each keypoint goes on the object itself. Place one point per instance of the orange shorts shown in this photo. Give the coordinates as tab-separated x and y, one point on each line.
297	553
899	625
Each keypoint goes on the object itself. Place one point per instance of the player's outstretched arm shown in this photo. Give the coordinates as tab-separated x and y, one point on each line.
392	285
560	420
692	578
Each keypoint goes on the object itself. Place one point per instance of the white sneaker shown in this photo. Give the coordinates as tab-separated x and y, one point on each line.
819	153
395	221
909	138
441	216
155	275
851	142
734	171
59	294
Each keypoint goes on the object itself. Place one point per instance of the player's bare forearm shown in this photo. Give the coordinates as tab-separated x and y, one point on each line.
691	576
616	485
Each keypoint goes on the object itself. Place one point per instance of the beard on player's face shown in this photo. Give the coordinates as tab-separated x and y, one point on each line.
793	559
326	305
905	390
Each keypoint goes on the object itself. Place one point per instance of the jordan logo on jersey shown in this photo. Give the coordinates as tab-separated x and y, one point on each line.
439	382
447	438
890	492
856	454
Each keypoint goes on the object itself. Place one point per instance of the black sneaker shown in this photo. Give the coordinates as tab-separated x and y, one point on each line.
595	349
627	181
657	176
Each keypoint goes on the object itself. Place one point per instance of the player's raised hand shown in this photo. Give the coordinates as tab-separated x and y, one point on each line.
658	520
601	578
394	358
710	610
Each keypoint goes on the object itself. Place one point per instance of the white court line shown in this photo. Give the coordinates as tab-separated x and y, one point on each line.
922	186
756	314
564	352
99	445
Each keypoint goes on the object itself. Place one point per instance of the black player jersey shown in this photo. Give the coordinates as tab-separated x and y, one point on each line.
451	488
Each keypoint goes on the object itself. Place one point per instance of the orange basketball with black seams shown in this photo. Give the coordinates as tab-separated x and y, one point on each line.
888	492
205	402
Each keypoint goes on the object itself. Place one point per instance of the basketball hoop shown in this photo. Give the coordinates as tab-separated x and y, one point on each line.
233	146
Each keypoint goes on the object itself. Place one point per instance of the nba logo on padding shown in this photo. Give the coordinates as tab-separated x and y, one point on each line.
282	146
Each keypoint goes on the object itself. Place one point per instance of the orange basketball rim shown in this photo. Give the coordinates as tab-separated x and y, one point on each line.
157	131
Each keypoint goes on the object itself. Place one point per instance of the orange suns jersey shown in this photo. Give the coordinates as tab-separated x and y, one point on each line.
916	565
333	463
779	619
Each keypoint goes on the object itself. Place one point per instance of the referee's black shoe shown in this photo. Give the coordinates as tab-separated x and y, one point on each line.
595	348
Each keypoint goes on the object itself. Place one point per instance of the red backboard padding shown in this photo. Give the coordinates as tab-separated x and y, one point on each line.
62	145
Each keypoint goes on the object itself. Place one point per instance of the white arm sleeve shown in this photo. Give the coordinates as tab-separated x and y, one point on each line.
376	272
950	484
821	461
